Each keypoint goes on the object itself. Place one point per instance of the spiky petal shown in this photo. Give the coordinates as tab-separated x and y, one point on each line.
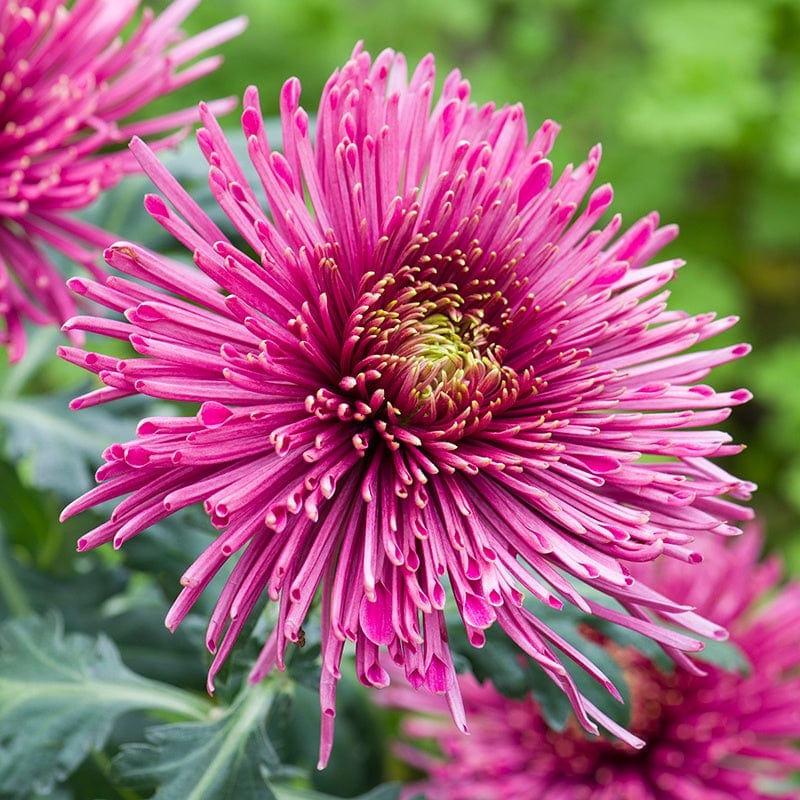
723	736
68	87
423	375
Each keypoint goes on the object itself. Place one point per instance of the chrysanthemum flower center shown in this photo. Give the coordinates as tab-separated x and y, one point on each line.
445	354
441	344
429	350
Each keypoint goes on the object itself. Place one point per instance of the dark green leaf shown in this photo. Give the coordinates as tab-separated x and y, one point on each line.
305	663
23	512
151	650
57	448
59	697
625	637
227	758
165	550
500	660
388	791
569	623
358	746
515	675
78	593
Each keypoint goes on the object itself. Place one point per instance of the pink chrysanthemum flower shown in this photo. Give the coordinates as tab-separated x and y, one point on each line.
725	736
422	376
68	84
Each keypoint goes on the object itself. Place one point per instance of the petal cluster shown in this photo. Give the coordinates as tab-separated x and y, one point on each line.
725	736
426	371
68	87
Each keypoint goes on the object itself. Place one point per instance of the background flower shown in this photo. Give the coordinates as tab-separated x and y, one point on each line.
723	736
70	88
433	375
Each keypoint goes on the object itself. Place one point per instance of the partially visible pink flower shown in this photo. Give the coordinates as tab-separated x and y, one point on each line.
425	375
719	737
68	86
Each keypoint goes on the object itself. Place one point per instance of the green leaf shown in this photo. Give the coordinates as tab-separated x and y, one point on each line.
165	550
726	656
359	746
227	758
96	594
57	448
59	698
625	637
79	594
150	649
499	660
569	623
515	675
386	791
27	516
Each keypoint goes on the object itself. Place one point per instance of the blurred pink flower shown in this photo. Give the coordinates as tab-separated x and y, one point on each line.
68	87
422	374
719	737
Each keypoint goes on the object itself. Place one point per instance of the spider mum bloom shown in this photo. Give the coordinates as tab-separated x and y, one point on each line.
725	736
420	376
68	83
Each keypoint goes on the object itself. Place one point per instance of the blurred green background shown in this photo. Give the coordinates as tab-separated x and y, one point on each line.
697	105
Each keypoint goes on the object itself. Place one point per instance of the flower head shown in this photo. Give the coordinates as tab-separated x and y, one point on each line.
719	736
68	88
421	375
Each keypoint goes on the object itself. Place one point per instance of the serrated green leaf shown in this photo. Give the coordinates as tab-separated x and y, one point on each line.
59	697
224	759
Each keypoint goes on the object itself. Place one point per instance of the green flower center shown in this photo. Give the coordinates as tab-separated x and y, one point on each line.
431	351
447	355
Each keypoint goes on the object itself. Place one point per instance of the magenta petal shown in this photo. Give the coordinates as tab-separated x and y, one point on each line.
432	379
72	96
727	734
478	612
376	617
439	676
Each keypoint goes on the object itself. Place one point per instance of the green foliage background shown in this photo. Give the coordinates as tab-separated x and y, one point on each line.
697	105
